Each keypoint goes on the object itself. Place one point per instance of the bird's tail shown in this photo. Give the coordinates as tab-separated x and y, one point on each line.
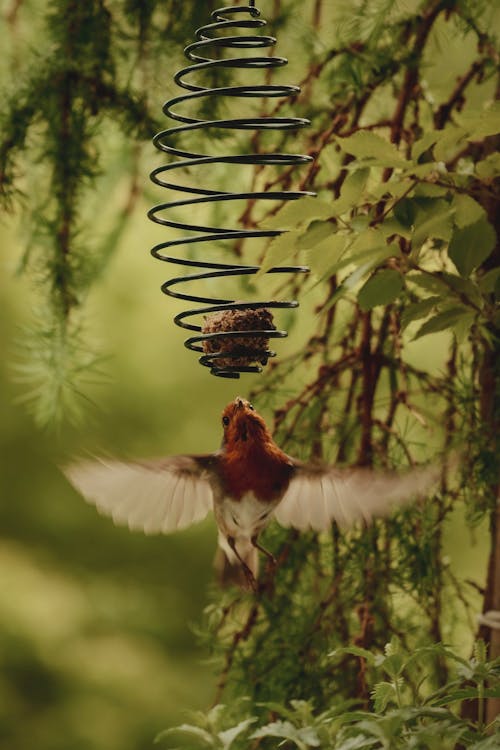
229	569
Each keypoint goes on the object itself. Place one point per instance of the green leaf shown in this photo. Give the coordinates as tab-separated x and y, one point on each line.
467	210
199	734
418	310
353	279
481	651
490	282
374	255
325	257
228	736
483	124
280	249
391	226
424	144
369	238
382	693
427	281
435	221
351	192
489	167
302	211
489	743
381	289
395	188
316	232
303	738
355	651
471	245
368	145
360	742
463	287
405	212
466	694
430	190
448	141
444	320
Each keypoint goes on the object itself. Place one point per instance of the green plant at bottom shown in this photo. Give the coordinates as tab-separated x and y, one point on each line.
401	715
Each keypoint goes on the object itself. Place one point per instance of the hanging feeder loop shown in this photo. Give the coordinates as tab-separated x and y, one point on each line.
226	351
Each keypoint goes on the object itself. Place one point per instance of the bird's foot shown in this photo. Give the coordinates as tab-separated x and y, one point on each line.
250	579
270	557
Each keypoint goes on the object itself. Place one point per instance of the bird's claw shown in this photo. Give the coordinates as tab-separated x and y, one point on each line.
250	579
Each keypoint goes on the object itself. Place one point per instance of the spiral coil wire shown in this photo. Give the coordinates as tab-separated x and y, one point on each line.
198	53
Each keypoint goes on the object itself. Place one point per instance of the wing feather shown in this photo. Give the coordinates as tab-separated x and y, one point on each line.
176	504
317	495
154	497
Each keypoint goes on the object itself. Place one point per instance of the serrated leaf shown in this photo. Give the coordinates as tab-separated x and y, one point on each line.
489	743
466	694
370	238
430	190
303	738
393	662
489	167
427	281
281	248
381	289
368	145
467	210
360	742
355	651
444	320
448	141
327	254
301	211
316	232
422	170
435	221
382	693
351	192
360	223
391	226
424	144
418	310
482	124
480	651
464	287
351	281
228	736
489	282
405	212
395	188
470	246
192	731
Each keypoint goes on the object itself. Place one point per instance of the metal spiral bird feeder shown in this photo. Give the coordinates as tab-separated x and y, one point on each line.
234	337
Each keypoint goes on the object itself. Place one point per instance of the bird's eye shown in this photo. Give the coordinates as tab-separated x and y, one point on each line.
225	421
251	407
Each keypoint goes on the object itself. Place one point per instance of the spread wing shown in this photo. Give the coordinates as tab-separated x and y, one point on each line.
318	495
154	496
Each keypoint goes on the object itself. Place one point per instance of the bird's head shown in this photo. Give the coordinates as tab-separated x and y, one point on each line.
242	425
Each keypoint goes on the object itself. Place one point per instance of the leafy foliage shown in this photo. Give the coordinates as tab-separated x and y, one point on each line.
403	715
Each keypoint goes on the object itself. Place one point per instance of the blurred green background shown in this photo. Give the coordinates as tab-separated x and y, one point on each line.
96	646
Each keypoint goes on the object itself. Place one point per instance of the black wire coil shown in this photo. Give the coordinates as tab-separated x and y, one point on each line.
223	19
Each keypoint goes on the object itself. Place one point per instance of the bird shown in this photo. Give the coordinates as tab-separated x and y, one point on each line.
246	483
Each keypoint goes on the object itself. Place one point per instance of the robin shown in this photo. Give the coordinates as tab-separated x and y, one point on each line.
246	483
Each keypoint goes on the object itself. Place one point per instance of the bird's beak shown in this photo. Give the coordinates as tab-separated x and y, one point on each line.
242	411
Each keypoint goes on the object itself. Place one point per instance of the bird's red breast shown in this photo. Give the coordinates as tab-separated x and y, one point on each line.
251	460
